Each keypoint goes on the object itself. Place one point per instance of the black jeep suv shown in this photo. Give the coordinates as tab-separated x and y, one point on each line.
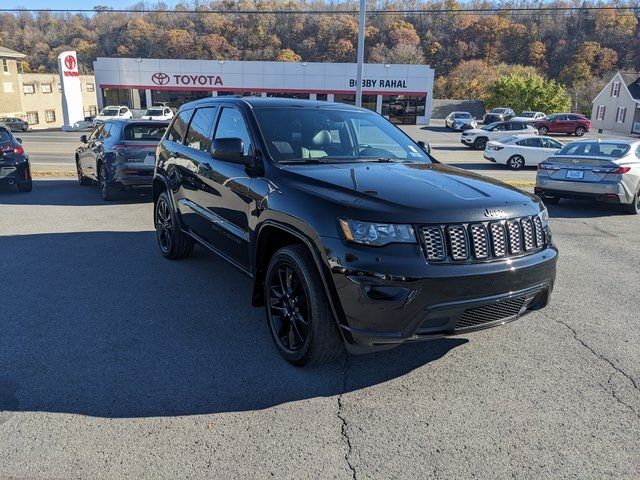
351	233
14	162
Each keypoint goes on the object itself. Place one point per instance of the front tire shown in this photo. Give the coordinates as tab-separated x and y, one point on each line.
174	243
25	186
480	143
580	131
516	162
300	320
543	130
108	190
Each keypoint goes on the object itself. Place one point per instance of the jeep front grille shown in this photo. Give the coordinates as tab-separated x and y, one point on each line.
481	241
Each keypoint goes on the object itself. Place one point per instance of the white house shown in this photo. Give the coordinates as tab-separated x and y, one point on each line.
616	109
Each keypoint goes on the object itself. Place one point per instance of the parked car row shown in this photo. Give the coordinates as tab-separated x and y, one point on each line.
14	162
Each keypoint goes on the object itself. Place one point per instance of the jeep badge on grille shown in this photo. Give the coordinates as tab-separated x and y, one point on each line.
494	212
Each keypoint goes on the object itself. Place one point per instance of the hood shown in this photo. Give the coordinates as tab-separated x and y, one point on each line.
475	131
464	120
409	192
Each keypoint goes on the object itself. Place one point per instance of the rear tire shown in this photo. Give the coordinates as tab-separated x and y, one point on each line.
633	208
25	186
543	130
516	162
300	320
173	242
480	143
580	131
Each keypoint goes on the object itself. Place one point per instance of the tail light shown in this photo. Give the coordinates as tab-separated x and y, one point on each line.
547	166
494	147
624	169
19	150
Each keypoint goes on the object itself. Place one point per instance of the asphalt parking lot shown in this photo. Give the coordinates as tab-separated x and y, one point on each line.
105	375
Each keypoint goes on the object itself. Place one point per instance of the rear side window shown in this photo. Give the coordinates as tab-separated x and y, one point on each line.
517	126
5	136
178	128
201	129
150	131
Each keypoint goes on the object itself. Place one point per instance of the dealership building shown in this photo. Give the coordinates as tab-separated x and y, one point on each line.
403	93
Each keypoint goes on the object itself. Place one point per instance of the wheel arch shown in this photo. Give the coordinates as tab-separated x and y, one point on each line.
272	236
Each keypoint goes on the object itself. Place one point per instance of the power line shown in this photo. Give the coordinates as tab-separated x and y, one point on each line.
436	11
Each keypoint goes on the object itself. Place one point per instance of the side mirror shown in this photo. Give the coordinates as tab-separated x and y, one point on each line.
424	146
229	150
19	140
83	138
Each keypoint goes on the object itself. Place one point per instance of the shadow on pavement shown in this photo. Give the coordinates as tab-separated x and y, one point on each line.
584	209
112	329
67	192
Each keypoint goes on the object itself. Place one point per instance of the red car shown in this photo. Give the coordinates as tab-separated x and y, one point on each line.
568	123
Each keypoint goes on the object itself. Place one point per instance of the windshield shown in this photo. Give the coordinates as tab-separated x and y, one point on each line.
499	110
528	114
324	135
154	112
462	115
491	126
596	149
109	112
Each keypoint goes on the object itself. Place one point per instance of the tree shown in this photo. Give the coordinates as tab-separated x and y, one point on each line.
528	92
288	55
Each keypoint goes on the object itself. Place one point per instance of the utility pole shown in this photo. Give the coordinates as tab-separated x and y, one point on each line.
360	66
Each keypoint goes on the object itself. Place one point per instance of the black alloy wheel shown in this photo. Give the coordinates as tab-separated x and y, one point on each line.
480	143
107	189
173	242
300	320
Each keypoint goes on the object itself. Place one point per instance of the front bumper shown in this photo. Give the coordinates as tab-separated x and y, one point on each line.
382	307
468	141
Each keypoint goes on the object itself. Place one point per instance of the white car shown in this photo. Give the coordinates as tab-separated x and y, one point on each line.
479	137
529	116
112	111
519	151
460	121
158	113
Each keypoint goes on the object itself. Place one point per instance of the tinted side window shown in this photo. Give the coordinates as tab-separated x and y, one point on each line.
201	129
96	132
104	134
179	126
517	126
5	136
231	125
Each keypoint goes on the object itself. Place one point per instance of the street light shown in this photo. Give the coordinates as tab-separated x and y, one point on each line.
360	64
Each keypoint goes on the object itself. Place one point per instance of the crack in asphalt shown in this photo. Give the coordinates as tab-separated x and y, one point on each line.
606	360
344	430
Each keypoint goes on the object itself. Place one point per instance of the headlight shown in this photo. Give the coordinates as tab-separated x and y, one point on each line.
376	234
544	216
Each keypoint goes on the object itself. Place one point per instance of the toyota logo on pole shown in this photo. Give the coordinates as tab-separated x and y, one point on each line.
160	78
70	62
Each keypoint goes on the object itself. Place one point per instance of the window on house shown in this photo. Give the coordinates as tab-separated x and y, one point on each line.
50	116
5	66
615	89
621	114
7	87
29	89
93	111
46	88
32	118
91	87
600	112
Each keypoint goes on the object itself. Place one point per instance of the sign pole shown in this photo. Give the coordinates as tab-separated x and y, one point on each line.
360	65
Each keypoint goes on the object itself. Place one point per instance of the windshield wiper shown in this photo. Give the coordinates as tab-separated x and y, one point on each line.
303	161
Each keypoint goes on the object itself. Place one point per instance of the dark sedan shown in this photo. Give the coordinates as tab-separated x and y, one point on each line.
14	162
15	124
498	115
119	154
